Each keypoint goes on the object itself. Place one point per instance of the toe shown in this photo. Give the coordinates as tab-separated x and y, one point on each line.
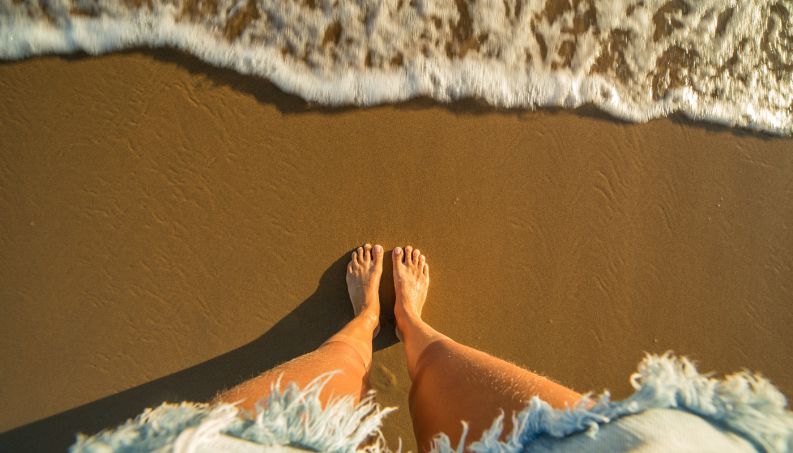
408	254
416	255
367	252
422	260
397	255
377	254
368	248
355	257
425	269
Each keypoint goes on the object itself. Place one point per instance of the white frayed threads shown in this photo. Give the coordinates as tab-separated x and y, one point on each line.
742	403
293	417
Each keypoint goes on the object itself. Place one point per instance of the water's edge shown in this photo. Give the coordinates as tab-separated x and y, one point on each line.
633	79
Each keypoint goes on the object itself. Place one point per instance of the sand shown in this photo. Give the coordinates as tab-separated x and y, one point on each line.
158	213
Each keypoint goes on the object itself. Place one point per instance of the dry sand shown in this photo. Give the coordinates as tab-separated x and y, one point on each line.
158	213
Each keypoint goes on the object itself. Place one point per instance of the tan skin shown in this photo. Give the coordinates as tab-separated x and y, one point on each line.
439	398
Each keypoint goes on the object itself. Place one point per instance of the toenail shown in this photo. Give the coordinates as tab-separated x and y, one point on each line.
398	250
378	248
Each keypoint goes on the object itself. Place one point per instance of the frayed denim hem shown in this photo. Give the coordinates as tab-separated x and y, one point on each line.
743	403
292	417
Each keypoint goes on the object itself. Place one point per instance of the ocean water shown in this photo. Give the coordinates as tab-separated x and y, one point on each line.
723	61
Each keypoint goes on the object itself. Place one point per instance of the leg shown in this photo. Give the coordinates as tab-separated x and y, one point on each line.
350	350
452	382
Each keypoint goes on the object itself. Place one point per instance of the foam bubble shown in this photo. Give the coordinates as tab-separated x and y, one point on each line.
723	61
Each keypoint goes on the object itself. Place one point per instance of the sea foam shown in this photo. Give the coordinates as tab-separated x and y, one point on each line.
723	61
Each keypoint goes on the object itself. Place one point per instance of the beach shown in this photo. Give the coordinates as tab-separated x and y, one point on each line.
159	212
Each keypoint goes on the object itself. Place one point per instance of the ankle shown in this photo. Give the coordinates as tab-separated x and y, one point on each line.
369	319
407	320
371	301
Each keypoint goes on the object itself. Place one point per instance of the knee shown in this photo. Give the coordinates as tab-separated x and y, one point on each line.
344	356
435	356
432	368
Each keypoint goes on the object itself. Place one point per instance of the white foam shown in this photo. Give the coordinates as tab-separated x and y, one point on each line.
637	60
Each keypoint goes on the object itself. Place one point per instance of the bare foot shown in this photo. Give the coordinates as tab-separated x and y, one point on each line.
411	282
363	281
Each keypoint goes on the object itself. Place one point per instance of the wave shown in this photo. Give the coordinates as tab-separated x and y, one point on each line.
723	61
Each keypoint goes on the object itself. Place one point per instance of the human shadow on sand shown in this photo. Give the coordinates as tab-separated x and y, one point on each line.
304	329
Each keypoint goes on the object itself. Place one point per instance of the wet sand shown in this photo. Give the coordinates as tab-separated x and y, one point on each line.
159	213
